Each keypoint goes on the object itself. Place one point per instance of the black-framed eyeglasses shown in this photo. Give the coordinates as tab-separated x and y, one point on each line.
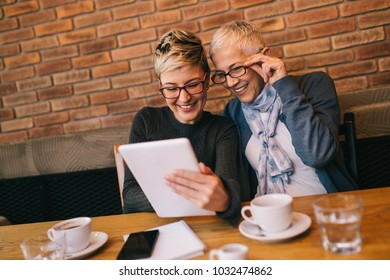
192	88
219	77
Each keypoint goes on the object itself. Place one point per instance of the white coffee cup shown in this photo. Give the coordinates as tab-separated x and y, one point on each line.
77	233
272	212
232	251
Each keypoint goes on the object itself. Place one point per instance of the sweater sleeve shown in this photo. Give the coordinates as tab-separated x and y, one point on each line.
311	114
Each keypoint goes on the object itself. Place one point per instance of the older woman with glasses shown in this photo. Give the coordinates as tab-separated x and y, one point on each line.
183	72
288	125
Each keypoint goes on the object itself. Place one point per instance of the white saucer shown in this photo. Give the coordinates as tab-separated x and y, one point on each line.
301	222
98	239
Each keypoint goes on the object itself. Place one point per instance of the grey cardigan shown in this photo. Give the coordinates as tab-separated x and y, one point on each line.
311	114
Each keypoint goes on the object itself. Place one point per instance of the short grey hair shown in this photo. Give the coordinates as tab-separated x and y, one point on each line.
241	34
178	48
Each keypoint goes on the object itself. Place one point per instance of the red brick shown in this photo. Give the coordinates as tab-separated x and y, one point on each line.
130	52
268	10
156	101
75	9
271	24
13	137
131	79
69	103
88	113
54	27
17	74
22	60
16	35
8	50
8	24
384	64
55	92
136	37
40	44
351	84
294	64
108	97
142	63
16	99
34	83
373	50
218	91
93	19
237	4
17	124
215	106
103	4
91	60
143	91
79	126
379	80
118	27
206	9
111	69
6	114
32	109
307	47
53	3
312	16
37	18
352	69
172	4
132	10
53	67
284	37
218	20
358	38
361	7
331	28
40	132
127	106
124	120
77	36
98	45
374	19
329	58
305	4
59	53
92	86
189	25
71	77
21	8
7	88
162	18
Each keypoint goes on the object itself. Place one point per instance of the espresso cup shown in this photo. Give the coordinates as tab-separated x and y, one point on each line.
77	233
232	251
272	212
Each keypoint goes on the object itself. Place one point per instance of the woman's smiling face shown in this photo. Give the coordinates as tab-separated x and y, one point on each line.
248	86
186	108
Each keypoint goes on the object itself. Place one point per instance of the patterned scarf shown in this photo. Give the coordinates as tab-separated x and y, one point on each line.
274	165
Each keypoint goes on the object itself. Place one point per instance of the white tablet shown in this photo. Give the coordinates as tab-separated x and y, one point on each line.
150	162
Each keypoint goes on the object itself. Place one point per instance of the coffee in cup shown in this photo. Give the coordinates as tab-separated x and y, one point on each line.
271	212
77	233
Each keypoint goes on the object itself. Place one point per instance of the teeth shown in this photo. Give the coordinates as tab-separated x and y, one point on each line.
185	106
240	89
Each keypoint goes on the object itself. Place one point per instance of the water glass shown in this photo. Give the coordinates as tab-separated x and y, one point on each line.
339	217
40	247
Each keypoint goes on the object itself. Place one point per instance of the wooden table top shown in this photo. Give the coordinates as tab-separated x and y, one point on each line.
215	232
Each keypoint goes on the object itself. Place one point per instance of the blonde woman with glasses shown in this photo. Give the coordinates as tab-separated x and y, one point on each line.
288	125
183	72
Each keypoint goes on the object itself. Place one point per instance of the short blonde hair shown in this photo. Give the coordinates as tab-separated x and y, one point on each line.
241	34
178	48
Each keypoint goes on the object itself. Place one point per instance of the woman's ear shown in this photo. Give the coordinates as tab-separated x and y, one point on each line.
266	51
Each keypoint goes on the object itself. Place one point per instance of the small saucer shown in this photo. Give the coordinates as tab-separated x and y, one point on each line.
301	222
98	239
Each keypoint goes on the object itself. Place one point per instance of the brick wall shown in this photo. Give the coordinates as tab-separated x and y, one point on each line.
69	66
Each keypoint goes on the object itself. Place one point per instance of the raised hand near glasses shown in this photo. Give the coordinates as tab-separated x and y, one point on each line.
204	188
269	68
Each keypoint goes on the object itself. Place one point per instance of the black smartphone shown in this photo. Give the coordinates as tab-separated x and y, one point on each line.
138	245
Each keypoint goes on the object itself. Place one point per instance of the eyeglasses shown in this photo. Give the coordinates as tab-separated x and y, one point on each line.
191	88
219	77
